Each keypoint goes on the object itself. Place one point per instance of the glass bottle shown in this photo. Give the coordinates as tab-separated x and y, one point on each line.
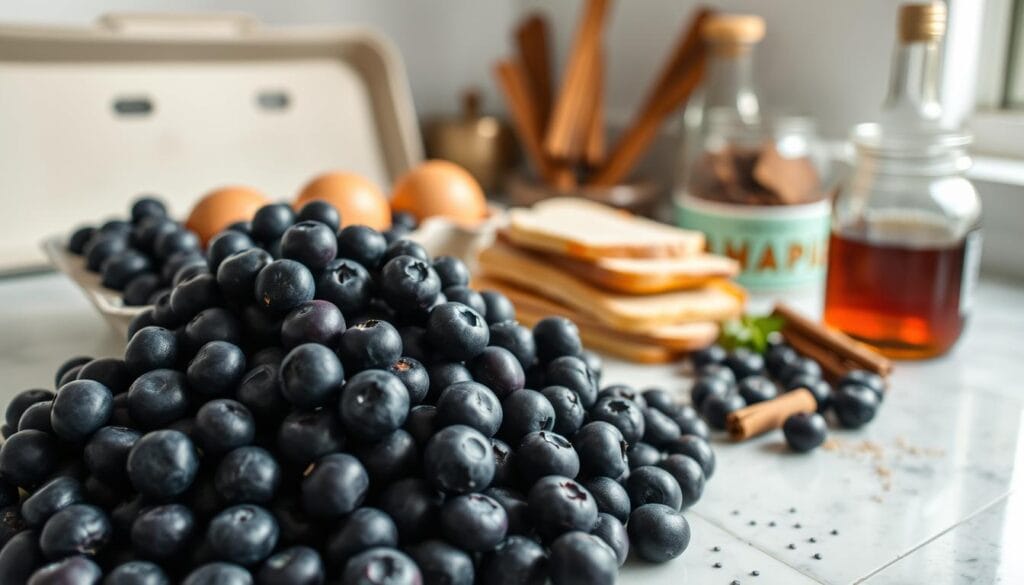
905	243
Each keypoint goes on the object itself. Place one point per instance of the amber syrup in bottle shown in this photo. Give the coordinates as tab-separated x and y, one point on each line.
908	299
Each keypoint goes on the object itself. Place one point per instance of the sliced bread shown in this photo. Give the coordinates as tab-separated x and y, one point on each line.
583	229
641	276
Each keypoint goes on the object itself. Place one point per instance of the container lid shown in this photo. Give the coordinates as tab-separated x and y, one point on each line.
734	28
178	105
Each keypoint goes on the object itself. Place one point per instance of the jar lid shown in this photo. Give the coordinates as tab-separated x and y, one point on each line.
922	22
734	28
909	142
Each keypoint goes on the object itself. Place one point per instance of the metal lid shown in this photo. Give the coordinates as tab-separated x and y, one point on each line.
922	22
744	29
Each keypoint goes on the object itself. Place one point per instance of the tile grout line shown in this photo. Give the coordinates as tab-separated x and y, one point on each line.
956	525
756	547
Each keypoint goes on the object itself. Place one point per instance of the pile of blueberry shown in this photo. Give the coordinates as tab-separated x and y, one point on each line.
142	257
342	410
730	380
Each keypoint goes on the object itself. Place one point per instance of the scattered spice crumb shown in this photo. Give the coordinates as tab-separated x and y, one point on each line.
835	532
812	540
735	512
797	525
755	573
735	582
716	549
792	510
817	556
752	523
717	565
791	546
772	524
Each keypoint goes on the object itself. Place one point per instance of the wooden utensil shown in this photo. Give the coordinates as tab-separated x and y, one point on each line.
594	146
676	82
532	40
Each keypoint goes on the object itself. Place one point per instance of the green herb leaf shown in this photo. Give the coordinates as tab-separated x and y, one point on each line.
750	332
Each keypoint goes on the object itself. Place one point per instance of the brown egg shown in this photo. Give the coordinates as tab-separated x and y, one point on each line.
356	198
440	188
222	207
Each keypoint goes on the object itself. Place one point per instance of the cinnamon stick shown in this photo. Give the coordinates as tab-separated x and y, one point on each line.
514	87
833	366
833	341
532	40
593	151
769	415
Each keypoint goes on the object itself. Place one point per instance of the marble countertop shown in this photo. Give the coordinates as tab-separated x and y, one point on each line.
925	494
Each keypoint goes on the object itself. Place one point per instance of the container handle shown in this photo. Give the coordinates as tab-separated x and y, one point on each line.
217	25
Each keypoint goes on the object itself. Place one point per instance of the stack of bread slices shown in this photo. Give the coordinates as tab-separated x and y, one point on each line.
637	289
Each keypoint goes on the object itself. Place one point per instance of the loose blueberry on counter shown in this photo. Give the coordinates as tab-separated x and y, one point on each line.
442	563
778	357
137	573
473	522
544	453
602	450
413	375
556	337
821	389
322	212
744	362
362	244
610	497
698	449
659	428
716	408
855	405
247	475
413	505
642	454
572	372
78	529
218	574
80	409
517	561
805	431
653	485
802	366
52	497
658	533
712	354
361	530
559	505
373	404
271	221
757	388
312	243
613	533
283	285
158	398
162	464
311	375
222	425
471	404
498	308
336	486
717	371
381	565
451	271
624	414
76	570
162	532
515	338
27	458
864	378
578	558
524	412
458	460
688	474
296	565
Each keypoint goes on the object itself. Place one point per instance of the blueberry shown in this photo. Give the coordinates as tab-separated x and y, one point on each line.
458	332
414	343
517	561
312	243
72	570
322	212
466	296
335	486
471	404
757	388
801	367
421	422
244	534
381	565
515	338
305	436
404	247
247	475
744	362
181	240
237	274
693	425
613	533
311	375
653	485
163	314
413	375
261	328
662	400
223	425
556	337
442	563
559	505
297	565
393	457
855	405
193	270
67	366
497	307
659	428
314	321
778	357
409	284
688	474
499	370
712	354
50	498
79	238
698	449
458	459
373	404
101	247
805	431
158	398
821	389
162	464
111	372
474	522
21	401
20	556
610	497
602	450
283	285
139	289
143	319
218	574
144	207
864	378
270	222
413	505
718	371
137	573
162	532
371	344
707	386
543	453
215	324
717	408
224	245
578	558
362	244
524	412
78	529
346	284
568	411
173	264
658	533
625	415
37	417
642	454
445	374
80	409
404	219
121	268
28	457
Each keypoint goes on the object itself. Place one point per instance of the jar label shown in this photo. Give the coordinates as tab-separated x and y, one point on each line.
972	266
778	248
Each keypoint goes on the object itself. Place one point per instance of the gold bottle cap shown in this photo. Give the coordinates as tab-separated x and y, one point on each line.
922	22
744	29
